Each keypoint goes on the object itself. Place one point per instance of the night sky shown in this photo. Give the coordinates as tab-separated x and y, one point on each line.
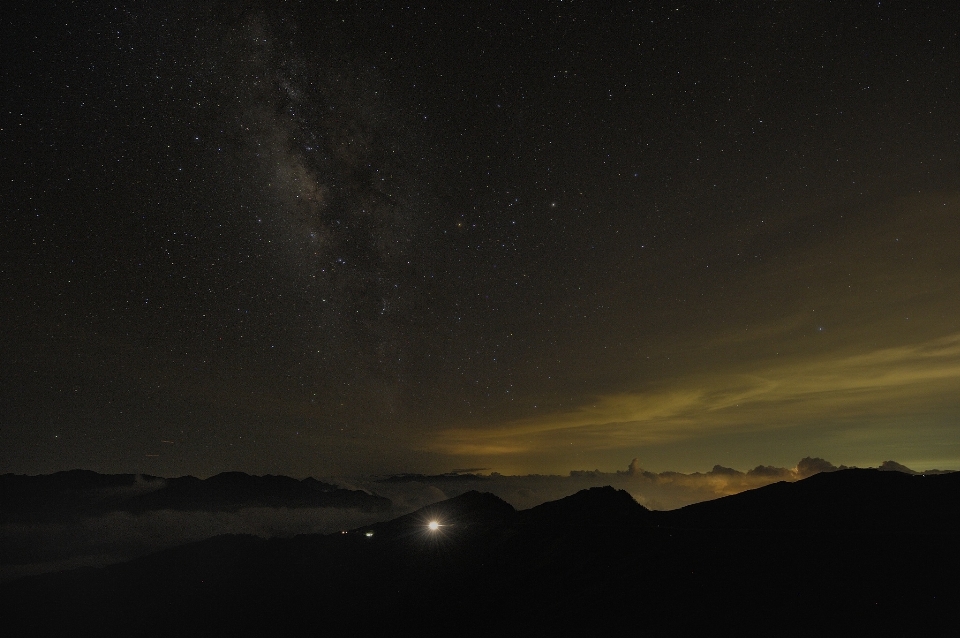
362	238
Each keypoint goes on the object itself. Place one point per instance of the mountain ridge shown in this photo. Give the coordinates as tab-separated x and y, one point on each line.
593	562
83	491
846	499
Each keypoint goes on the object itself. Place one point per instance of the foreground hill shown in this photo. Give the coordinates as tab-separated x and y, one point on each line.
813	556
860	499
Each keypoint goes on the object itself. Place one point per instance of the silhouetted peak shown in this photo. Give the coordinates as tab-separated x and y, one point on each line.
471	510
598	505
479	500
472	505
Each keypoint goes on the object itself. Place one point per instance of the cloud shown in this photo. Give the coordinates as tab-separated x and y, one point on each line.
770	472
409	496
663	490
836	386
810	466
893	466
850	329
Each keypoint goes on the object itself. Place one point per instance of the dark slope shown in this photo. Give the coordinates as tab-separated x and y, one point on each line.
597	506
855	499
359	580
590	564
460	517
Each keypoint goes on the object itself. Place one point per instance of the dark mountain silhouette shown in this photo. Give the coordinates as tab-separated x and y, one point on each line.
813	556
597	506
233	490
449	477
853	499
460	517
80	492
54	494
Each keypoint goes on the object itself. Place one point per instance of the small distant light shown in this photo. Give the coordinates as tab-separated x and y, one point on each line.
368	534
434	526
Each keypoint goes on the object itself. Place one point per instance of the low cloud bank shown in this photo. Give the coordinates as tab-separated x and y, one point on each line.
661	491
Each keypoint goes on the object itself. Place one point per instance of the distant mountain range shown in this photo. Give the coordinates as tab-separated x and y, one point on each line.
853	551
55	496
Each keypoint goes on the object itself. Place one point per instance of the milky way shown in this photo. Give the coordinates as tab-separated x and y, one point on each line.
341	193
327	238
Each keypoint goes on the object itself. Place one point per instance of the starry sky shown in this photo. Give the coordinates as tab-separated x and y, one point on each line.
365	237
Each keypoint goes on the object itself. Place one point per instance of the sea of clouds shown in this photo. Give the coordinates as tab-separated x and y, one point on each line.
34	547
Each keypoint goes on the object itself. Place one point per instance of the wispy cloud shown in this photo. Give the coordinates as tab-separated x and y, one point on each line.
885	381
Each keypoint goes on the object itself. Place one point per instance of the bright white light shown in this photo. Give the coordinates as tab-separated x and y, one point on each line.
434	526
